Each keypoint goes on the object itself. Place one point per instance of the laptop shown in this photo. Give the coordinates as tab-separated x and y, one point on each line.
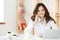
55	33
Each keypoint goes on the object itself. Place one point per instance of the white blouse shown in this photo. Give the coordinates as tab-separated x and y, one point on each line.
38	27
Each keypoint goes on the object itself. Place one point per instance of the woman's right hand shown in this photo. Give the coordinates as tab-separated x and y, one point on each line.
36	18
41	35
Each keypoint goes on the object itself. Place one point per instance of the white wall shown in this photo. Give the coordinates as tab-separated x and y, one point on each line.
29	7
52	6
10	16
1	11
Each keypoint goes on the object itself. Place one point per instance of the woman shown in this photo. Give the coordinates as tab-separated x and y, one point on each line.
40	21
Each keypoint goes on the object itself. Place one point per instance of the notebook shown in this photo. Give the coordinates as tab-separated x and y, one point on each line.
55	33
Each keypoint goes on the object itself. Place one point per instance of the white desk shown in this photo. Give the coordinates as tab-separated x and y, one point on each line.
21	37
4	38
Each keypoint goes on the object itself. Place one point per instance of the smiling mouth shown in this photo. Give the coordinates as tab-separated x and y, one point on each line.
40	14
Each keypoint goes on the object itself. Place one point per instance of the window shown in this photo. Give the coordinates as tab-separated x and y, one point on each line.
1	11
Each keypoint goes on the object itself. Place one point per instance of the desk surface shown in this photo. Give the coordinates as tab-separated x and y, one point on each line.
21	37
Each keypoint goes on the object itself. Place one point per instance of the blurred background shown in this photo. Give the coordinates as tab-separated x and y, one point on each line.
11	13
17	13
53	7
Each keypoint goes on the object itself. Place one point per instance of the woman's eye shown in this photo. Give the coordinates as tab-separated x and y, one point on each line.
41	10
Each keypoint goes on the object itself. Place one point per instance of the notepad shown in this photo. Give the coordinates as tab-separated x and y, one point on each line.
55	33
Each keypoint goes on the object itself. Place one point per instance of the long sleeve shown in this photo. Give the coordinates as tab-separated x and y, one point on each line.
29	28
53	25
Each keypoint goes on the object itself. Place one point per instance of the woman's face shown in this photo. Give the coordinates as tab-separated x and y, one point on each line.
41	12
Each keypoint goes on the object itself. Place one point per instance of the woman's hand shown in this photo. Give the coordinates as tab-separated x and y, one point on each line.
36	18
41	35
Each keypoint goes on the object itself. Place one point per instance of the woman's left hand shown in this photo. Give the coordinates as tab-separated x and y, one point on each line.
41	35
